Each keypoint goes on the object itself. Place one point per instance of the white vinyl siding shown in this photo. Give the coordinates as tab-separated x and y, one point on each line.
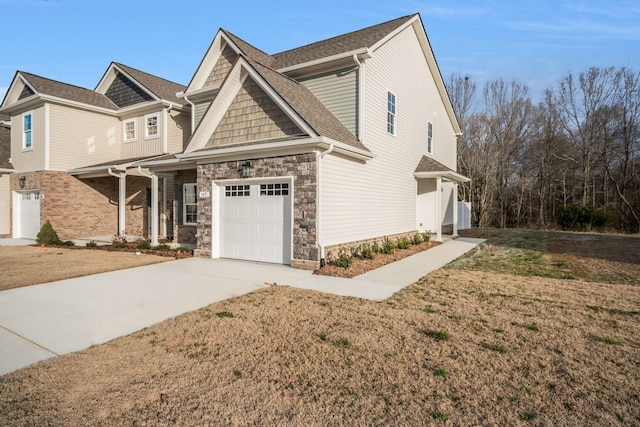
447	203
361	201
5	194
80	138
338	91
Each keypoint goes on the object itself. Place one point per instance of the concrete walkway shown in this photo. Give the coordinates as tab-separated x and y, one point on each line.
42	321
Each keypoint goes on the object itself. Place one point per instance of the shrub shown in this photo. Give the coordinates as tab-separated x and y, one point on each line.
366	252
388	247
584	218
144	245
162	247
417	239
65	243
47	235
91	244
403	243
345	258
375	248
426	236
183	249
117	239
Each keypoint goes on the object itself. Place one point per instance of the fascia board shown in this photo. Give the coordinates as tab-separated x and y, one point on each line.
316	62
7	171
12	87
107	78
208	62
23	104
450	175
393	33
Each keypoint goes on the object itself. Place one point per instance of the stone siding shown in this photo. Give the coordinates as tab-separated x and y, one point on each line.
183	234
302	167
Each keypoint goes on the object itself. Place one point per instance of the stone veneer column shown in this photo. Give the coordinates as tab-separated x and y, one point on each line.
302	167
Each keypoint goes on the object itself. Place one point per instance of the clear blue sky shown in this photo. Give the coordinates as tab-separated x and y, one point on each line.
535	42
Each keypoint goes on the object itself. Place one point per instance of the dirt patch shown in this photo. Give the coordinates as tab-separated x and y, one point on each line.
30	265
361	266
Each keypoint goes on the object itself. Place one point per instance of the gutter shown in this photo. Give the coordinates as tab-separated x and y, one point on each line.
360	97
319	243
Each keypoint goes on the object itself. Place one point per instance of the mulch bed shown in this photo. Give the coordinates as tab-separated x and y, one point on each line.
361	266
130	248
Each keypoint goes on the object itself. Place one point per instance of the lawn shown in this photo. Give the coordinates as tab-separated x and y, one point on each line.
521	332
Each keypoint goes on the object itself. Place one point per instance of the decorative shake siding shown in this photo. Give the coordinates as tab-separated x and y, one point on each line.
34	159
80	138
123	92
338	91
252	116
222	67
5	208
384	191
302	167
182	233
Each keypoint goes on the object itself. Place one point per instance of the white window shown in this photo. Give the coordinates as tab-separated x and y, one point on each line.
274	189
237	191
391	113
27	143
151	126
130	130
429	137
190	204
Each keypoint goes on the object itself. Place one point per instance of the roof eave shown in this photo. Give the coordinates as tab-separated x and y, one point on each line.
445	174
363	53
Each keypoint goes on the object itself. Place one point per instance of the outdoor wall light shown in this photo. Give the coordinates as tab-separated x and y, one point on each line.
22	180
244	169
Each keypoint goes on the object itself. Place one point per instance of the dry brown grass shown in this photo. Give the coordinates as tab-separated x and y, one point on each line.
520	351
30	265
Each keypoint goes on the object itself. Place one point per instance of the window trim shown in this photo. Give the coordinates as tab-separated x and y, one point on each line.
430	137
124	130
26	132
157	126
185	204
392	113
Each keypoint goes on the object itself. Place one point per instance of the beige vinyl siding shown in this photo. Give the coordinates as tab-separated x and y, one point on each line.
380	197
5	208
178	130
338	91
200	107
33	159
142	146
425	205
81	138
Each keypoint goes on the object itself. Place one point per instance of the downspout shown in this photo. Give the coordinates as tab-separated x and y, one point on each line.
360	104
154	204
122	199
165	129
193	113
320	244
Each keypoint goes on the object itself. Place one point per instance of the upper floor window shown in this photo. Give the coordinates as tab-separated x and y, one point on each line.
391	113
130	130
190	204
26	132
151	126
430	137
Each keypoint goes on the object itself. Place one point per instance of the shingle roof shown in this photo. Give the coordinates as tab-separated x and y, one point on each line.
427	164
162	88
308	106
366	37
5	144
249	50
58	89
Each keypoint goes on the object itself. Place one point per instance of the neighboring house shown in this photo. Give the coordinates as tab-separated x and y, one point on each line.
284	157
338	142
5	169
70	149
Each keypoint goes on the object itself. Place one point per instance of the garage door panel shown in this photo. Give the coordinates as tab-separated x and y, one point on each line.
254	227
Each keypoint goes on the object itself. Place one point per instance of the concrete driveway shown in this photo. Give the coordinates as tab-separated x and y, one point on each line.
42	321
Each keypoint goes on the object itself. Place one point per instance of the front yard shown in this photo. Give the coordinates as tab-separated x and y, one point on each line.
532	329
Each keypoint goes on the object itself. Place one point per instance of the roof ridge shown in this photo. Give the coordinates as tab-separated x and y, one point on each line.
120	64
57	81
342	35
243	40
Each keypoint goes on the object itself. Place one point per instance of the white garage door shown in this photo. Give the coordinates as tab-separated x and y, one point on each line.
255	222
28	214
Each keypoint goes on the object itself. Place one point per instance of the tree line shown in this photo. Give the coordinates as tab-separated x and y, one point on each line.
571	161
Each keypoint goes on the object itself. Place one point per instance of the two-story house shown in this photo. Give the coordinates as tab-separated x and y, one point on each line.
334	143
282	158
5	170
71	148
